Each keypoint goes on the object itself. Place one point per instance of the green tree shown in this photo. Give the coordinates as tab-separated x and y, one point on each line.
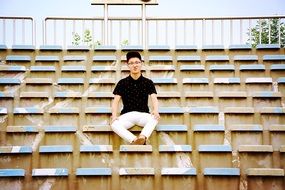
87	39
97	43
75	39
262	29
125	43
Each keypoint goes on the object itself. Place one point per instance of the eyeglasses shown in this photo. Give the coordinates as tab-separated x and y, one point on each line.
133	63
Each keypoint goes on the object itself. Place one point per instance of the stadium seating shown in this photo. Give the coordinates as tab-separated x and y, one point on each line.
222	118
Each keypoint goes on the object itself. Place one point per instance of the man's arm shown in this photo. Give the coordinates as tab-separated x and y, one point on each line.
115	105
154	106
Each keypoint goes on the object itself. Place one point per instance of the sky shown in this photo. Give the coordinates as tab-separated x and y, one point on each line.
180	8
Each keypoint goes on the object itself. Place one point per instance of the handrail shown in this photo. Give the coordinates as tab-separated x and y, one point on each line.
172	18
17	31
16	17
145	31
216	18
175	30
72	18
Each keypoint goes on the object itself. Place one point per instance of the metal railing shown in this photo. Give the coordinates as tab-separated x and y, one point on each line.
136	31
206	31
61	31
176	31
17	30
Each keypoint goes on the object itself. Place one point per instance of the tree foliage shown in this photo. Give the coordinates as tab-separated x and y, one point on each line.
86	39
263	28
76	39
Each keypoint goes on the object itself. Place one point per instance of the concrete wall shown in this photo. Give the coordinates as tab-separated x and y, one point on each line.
222	120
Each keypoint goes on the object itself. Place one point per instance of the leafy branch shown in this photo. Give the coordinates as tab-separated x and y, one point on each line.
87	39
267	32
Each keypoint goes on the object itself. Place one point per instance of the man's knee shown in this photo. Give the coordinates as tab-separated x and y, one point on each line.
151	118
114	125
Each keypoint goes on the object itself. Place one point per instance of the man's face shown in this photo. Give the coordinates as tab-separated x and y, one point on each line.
135	65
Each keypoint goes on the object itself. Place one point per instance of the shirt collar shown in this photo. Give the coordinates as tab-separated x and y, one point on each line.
133	80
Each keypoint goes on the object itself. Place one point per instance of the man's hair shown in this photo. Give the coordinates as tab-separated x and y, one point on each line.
132	54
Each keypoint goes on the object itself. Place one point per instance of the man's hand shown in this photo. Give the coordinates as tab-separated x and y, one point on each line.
155	115
113	118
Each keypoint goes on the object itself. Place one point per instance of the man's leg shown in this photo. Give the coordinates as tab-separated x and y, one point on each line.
121	126
148	122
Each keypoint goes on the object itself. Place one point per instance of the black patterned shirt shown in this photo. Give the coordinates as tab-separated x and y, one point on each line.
135	93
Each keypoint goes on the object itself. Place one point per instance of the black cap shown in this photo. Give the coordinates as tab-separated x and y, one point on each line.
132	54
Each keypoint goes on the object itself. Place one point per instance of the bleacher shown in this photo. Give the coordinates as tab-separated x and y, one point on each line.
222	119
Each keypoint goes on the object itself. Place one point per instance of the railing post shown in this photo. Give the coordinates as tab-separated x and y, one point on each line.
120	32
23	33
203	32
175	33
144	38
64	33
222	32
130	32
14	30
194	31
166	35
269	31
250	34
106	32
240	34
111	29
54	31
44	33
4	31
231	31
213	32
260	30
279	31
34	35
184	32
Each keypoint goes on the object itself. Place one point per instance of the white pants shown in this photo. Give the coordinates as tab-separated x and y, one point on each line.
128	120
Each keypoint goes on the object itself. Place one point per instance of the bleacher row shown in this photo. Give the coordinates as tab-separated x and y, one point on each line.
222	119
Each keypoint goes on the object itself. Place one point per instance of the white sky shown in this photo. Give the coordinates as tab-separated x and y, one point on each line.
191	8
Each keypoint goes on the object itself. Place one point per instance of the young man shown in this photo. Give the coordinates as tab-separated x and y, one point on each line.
134	91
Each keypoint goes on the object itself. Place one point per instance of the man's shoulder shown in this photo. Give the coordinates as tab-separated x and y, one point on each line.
124	79
147	79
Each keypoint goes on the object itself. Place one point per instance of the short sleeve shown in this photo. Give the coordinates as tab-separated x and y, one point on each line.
118	89
151	88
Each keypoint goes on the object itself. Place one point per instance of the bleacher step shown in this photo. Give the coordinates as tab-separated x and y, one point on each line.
178	171
96	148
175	148
96	128
18	58
136	171
255	148
246	127
56	149
60	129
221	172
215	148
12	172
169	128
22	129
135	148
47	58
93	172
15	149
265	172
50	172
